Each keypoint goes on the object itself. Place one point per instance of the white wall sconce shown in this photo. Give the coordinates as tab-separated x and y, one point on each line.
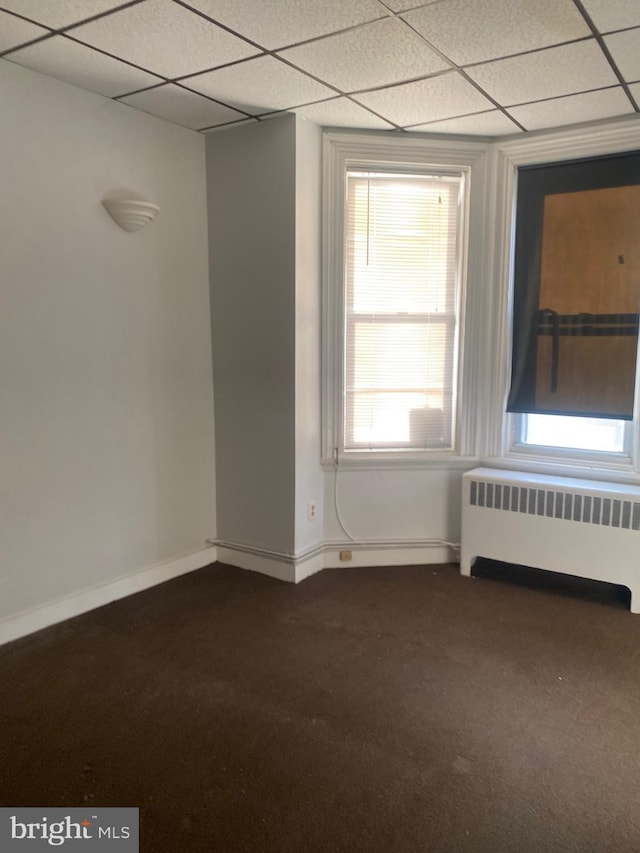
130	212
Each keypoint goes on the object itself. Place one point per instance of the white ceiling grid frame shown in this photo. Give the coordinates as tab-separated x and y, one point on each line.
74	63
181	107
260	85
573	109
15	31
275	24
153	34
609	15
60	13
489	123
469	32
444	96
546	73
376	54
405	5
625	50
342	112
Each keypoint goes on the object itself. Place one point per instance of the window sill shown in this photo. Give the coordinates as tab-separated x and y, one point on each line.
565	465
401	461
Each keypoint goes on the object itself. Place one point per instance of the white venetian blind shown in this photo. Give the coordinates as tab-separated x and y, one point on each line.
401	300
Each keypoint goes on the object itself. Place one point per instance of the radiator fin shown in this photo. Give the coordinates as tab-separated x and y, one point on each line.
563	505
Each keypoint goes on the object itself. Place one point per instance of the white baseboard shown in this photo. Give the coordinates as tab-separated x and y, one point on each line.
284	567
36	618
272	563
387	554
275	564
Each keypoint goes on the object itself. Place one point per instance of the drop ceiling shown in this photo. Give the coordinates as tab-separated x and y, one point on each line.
479	67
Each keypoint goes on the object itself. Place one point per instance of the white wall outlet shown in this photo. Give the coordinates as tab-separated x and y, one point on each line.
312	510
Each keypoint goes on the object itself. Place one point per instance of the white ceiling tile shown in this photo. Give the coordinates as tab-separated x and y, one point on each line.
404	5
625	49
278	23
635	91
182	107
15	31
260	85
491	123
74	63
445	96
610	15
376	54
165	38
341	112
59	13
573	109
223	127
545	74
468	31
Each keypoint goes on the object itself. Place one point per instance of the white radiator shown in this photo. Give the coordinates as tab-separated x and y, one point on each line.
578	527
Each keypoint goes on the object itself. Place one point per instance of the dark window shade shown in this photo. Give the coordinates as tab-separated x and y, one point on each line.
577	288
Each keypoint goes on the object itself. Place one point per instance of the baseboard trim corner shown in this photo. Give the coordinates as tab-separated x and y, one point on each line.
45	615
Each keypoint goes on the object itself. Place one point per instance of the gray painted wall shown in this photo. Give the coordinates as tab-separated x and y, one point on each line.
106	442
251	189
309	473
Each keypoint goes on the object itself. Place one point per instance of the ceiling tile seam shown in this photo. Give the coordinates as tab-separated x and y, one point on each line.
560	97
138	91
270	113
273	50
621	30
329	86
380	88
607	53
54	31
25	44
157	74
194	74
527	52
24	18
215	100
451	118
106	14
219	24
225	124
326	36
393	124
463	73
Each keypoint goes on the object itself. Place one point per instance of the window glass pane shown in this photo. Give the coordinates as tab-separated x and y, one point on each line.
400	303
598	434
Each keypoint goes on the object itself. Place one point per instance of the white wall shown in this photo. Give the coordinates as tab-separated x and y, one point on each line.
394	506
309	474
106	438
251	187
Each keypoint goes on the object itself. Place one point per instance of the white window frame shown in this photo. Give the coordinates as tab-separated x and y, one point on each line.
343	151
503	430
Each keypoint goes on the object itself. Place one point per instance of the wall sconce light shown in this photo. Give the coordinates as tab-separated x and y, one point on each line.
130	212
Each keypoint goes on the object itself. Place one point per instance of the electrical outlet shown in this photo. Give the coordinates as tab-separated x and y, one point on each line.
312	510
345	556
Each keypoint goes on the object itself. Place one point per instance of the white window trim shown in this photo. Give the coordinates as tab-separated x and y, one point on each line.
343	151
501	448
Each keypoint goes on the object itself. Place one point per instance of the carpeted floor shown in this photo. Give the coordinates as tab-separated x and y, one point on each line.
379	710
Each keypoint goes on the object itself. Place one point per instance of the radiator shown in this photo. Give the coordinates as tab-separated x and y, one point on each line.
578	527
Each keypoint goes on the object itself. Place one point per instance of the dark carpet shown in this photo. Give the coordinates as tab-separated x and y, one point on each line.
377	710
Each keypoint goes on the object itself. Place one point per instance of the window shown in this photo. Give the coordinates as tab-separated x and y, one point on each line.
403	266
567	267
401	299
600	435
